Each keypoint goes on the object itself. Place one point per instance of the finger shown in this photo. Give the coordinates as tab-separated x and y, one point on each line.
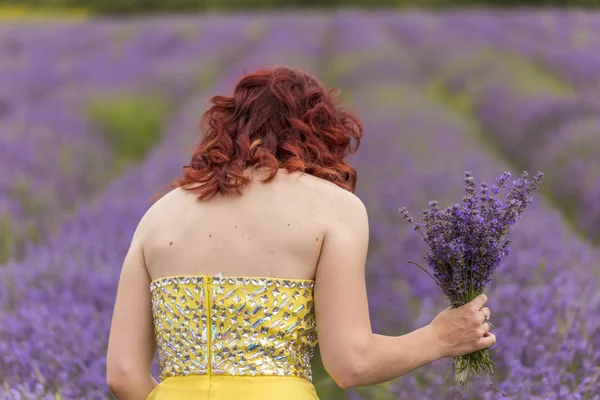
486	341
480	331
483	315
475	305
487	311
478	301
483	329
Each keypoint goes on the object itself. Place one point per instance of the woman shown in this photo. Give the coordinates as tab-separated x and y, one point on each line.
261	244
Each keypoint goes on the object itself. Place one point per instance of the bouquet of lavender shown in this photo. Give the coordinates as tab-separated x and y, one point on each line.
466	245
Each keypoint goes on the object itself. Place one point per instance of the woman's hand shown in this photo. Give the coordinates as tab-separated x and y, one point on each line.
462	330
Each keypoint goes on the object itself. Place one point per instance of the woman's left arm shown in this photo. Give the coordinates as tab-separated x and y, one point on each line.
131	345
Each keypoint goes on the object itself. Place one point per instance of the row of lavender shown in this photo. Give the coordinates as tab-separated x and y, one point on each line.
535	119
38	130
52	78
545	291
69	283
565	43
543	300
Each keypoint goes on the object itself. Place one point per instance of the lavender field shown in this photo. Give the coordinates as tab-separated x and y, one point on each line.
95	116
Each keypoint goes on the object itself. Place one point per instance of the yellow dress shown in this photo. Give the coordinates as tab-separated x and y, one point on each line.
234	338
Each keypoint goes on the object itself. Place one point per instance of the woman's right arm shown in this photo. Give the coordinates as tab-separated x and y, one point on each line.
351	353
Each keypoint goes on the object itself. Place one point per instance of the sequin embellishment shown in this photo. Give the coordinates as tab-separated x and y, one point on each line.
253	326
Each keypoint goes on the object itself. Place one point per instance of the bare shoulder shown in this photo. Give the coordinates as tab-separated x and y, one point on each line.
338	203
176	195
161	209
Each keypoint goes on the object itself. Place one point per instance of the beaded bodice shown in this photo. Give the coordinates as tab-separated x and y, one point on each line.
234	326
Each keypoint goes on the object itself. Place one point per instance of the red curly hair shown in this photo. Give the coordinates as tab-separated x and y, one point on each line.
277	118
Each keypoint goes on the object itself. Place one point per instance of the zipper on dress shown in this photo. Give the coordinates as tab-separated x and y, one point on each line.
209	321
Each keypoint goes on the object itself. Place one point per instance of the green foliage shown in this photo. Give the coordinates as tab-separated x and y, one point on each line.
131	123
11	238
11	11
154	6
382	391
31	204
7	239
325	386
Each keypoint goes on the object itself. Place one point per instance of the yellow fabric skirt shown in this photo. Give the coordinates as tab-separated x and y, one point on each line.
227	387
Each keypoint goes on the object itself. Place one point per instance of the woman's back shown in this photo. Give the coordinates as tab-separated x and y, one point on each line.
272	230
262	244
232	287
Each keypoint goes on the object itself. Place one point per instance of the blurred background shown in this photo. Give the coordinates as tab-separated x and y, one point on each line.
99	107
